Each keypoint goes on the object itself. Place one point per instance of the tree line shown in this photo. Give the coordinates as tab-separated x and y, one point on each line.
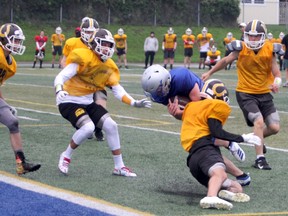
129	12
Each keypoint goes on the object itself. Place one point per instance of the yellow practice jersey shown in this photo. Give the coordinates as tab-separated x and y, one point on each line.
228	40
120	40
213	55
202	40
73	43
254	70
169	41
188	40
195	119
92	73
6	70
55	39
278	40
272	40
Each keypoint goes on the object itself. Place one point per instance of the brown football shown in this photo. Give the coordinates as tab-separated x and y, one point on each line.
182	101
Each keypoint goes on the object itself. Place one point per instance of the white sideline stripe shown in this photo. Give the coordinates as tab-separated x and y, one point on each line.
72	197
143	128
28	118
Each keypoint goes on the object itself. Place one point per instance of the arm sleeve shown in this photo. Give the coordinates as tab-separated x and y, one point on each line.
67	73
217	131
120	93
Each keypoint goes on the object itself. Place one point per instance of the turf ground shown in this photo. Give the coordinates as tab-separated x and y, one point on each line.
151	147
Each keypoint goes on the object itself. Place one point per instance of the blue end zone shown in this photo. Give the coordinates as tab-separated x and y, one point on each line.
17	201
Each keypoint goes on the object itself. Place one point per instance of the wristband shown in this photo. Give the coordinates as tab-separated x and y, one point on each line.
278	81
58	88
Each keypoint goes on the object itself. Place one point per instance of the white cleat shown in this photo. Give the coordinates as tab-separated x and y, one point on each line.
124	171
215	203
63	164
233	197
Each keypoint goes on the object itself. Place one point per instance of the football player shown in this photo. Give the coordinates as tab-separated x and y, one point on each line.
228	39
204	41
188	40
88	71
88	28
121	47
11	42
41	41
213	56
258	76
161	85
57	40
203	120
169	46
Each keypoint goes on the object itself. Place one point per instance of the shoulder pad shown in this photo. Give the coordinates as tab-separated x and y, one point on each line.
277	48
235	45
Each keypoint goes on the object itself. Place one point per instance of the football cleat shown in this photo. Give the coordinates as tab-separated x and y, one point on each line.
243	179
233	197
63	164
237	151
99	135
24	167
262	164
215	203
124	171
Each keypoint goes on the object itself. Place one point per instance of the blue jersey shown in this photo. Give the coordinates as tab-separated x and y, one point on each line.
182	82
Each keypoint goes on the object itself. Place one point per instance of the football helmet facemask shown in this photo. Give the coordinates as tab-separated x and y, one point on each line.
188	31
88	28
156	82
103	44
255	28
12	38
215	89
120	31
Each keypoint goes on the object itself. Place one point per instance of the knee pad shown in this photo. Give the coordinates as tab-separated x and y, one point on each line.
83	133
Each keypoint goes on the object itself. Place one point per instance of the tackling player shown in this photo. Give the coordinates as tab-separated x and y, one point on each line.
202	121
11	42
258	75
88	71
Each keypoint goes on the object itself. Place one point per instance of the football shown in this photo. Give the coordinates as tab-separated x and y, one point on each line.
182	101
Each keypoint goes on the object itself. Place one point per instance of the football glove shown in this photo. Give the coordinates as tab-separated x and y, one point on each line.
252	139
60	95
142	103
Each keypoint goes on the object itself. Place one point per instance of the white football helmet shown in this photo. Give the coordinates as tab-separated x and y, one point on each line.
255	28
188	31
204	31
88	27
12	38
242	25
213	49
269	35
215	89
281	35
120	31
58	30
229	35
156	82
170	31
103	44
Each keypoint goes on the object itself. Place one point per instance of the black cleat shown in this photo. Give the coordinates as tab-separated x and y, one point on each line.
262	164
99	135
24	167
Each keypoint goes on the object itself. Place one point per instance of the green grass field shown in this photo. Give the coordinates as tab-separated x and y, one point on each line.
151	147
